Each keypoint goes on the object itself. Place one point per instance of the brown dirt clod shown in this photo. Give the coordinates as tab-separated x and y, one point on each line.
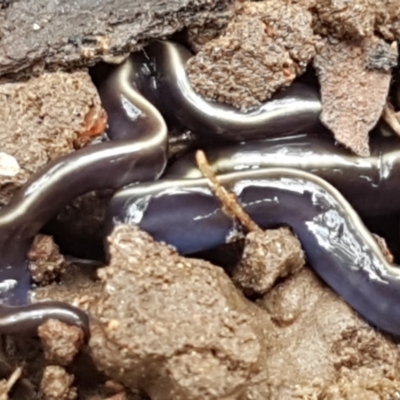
324	348
356	19
198	36
76	286
57	384
61	342
45	260
263	49
177	328
267	256
344	19
174	327
41	119
353	94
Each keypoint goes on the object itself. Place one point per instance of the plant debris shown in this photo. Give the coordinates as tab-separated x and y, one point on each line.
6	385
267	255
392	118
230	204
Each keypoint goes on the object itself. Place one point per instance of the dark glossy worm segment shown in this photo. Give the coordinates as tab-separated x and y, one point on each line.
135	153
337	244
292	110
25	319
370	184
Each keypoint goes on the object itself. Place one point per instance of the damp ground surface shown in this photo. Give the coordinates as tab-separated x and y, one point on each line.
164	326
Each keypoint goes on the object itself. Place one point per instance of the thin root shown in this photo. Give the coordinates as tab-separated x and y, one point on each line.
7	386
391	118
13	378
231	206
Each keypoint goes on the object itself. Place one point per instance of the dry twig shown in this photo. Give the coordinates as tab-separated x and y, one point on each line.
5	389
391	118
231	206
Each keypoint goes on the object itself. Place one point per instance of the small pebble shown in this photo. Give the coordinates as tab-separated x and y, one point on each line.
8	165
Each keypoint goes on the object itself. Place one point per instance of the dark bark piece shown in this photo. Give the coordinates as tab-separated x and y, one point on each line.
47	34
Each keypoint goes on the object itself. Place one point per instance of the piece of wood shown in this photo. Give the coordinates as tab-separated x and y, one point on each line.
49	34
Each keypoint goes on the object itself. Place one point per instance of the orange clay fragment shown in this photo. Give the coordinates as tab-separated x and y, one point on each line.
94	125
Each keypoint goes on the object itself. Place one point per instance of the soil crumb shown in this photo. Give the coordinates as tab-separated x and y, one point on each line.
41	119
355	79
177	328
344	19
356	19
57	384
264	48
184	330
61	342
323	349
198	36
269	43
45	260
267	256
77	285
